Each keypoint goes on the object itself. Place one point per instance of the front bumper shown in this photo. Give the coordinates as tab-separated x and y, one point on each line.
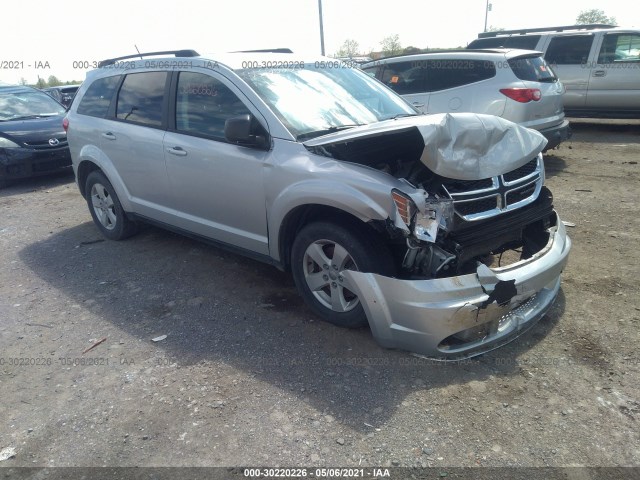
27	162
556	135
460	317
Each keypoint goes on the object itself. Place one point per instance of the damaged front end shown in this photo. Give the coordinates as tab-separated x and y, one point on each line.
478	245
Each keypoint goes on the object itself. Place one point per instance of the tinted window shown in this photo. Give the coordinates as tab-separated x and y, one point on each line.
98	97
447	73
569	50
526	42
140	98
534	69
620	48
203	104
404	77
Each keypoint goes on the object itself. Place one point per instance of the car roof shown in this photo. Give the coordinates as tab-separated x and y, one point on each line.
61	87
469	53
231	60
563	30
17	89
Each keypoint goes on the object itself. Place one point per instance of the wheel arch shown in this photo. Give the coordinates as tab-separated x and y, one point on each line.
303	215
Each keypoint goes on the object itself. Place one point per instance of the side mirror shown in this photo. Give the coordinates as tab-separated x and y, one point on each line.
241	131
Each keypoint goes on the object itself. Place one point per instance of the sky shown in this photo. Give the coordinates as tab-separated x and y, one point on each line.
58	38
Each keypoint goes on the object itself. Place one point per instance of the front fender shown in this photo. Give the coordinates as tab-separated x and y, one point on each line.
328	193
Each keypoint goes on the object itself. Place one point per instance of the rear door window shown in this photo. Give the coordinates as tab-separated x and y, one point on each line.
533	69
450	73
141	98
569	50
97	98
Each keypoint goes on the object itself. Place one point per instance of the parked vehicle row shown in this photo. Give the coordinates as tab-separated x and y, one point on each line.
514	84
63	94
598	64
383	216
32	140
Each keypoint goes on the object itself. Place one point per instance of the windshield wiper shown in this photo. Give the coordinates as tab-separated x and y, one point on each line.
326	131
31	117
402	115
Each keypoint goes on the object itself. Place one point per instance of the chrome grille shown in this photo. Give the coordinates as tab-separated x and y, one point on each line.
45	145
479	199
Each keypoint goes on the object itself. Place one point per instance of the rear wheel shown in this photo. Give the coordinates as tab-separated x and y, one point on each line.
321	253
106	209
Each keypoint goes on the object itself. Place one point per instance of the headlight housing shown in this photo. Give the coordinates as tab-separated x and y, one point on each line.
6	143
438	213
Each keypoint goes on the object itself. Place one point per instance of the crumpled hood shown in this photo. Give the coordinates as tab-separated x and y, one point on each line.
462	146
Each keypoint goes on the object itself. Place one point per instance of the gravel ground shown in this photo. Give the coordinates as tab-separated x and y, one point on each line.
247	376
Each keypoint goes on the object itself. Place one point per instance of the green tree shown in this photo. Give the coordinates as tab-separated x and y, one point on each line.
411	50
495	29
41	83
23	81
53	81
594	16
349	49
391	45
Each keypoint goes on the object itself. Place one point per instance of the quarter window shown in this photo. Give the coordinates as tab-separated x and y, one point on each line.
141	97
620	48
569	50
97	98
451	73
203	104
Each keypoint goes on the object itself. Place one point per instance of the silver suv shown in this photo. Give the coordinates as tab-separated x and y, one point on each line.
435	230
514	84
598	64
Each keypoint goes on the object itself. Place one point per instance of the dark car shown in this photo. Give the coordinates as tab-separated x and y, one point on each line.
63	94
32	139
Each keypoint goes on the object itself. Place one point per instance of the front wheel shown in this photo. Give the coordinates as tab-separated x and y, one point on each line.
106	209
321	253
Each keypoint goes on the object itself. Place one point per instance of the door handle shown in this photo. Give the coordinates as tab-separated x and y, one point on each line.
109	136
599	73
178	151
418	104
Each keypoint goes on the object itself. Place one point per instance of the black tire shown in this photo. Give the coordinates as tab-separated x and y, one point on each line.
322	286
106	209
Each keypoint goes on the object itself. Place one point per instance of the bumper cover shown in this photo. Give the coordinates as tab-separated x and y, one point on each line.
556	135
25	162
495	305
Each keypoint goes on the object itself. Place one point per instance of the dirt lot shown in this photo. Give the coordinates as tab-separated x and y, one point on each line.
248	376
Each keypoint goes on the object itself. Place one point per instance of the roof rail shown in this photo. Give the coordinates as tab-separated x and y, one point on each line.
563	28
177	53
266	50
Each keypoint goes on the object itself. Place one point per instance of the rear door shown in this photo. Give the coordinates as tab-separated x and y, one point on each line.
615	76
570	56
133	140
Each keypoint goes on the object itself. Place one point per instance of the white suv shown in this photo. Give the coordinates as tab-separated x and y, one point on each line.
514	84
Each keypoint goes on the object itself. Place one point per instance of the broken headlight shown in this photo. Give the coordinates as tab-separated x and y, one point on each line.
438	213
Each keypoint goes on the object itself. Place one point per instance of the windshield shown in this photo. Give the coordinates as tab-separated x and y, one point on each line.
316	100
26	105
